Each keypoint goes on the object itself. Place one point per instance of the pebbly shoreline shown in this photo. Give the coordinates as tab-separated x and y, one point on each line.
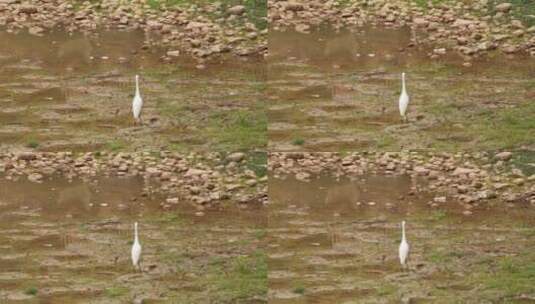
201	31
470	179
471	29
203	180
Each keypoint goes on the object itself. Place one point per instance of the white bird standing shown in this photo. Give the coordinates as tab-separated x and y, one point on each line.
136	250
403	99
137	103
403	247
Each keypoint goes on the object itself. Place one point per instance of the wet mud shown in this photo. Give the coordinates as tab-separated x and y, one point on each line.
337	90
69	241
335	240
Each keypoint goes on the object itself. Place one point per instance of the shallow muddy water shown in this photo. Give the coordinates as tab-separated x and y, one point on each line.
69	242
74	92
336	241
338	90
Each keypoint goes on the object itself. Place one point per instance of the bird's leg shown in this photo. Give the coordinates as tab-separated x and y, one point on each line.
139	265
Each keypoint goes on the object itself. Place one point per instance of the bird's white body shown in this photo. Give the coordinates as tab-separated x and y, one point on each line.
403	247
403	99
136	249
137	102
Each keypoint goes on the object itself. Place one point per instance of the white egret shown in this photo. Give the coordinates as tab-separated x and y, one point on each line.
403	99
403	247
137	103
136	250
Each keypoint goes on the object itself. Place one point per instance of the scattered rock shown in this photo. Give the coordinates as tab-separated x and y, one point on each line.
504	7
236	157
35	177
174	53
504	156
237	10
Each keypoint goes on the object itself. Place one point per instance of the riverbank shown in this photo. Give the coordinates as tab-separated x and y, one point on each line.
470	180
472	29
202	180
200	29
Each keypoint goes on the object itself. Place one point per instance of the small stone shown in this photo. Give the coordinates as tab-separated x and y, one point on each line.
518	181
420	170
302	176
28	9
172	200
504	7
237	10
35	177
439	199
36	30
153	171
302	28
236	157
27	156
440	51
421	22
499	186
504	156
294	6
462	171
174	53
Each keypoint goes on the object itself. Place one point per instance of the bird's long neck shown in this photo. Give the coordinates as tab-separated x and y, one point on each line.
403	82
402	232
137	85
136	239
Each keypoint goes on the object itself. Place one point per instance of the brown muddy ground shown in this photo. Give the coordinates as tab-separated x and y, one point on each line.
74	92
69	242
335	240
334	90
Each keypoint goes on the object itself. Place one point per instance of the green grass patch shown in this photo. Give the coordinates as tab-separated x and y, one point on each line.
506	128
260	234
238	129
242	278
115	145
298	142
438	215
257	162
442	257
386	290
32	143
425	3
299	289
512	276
525	161
115	291
523	10
171	218
31	291
386	141
255	10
